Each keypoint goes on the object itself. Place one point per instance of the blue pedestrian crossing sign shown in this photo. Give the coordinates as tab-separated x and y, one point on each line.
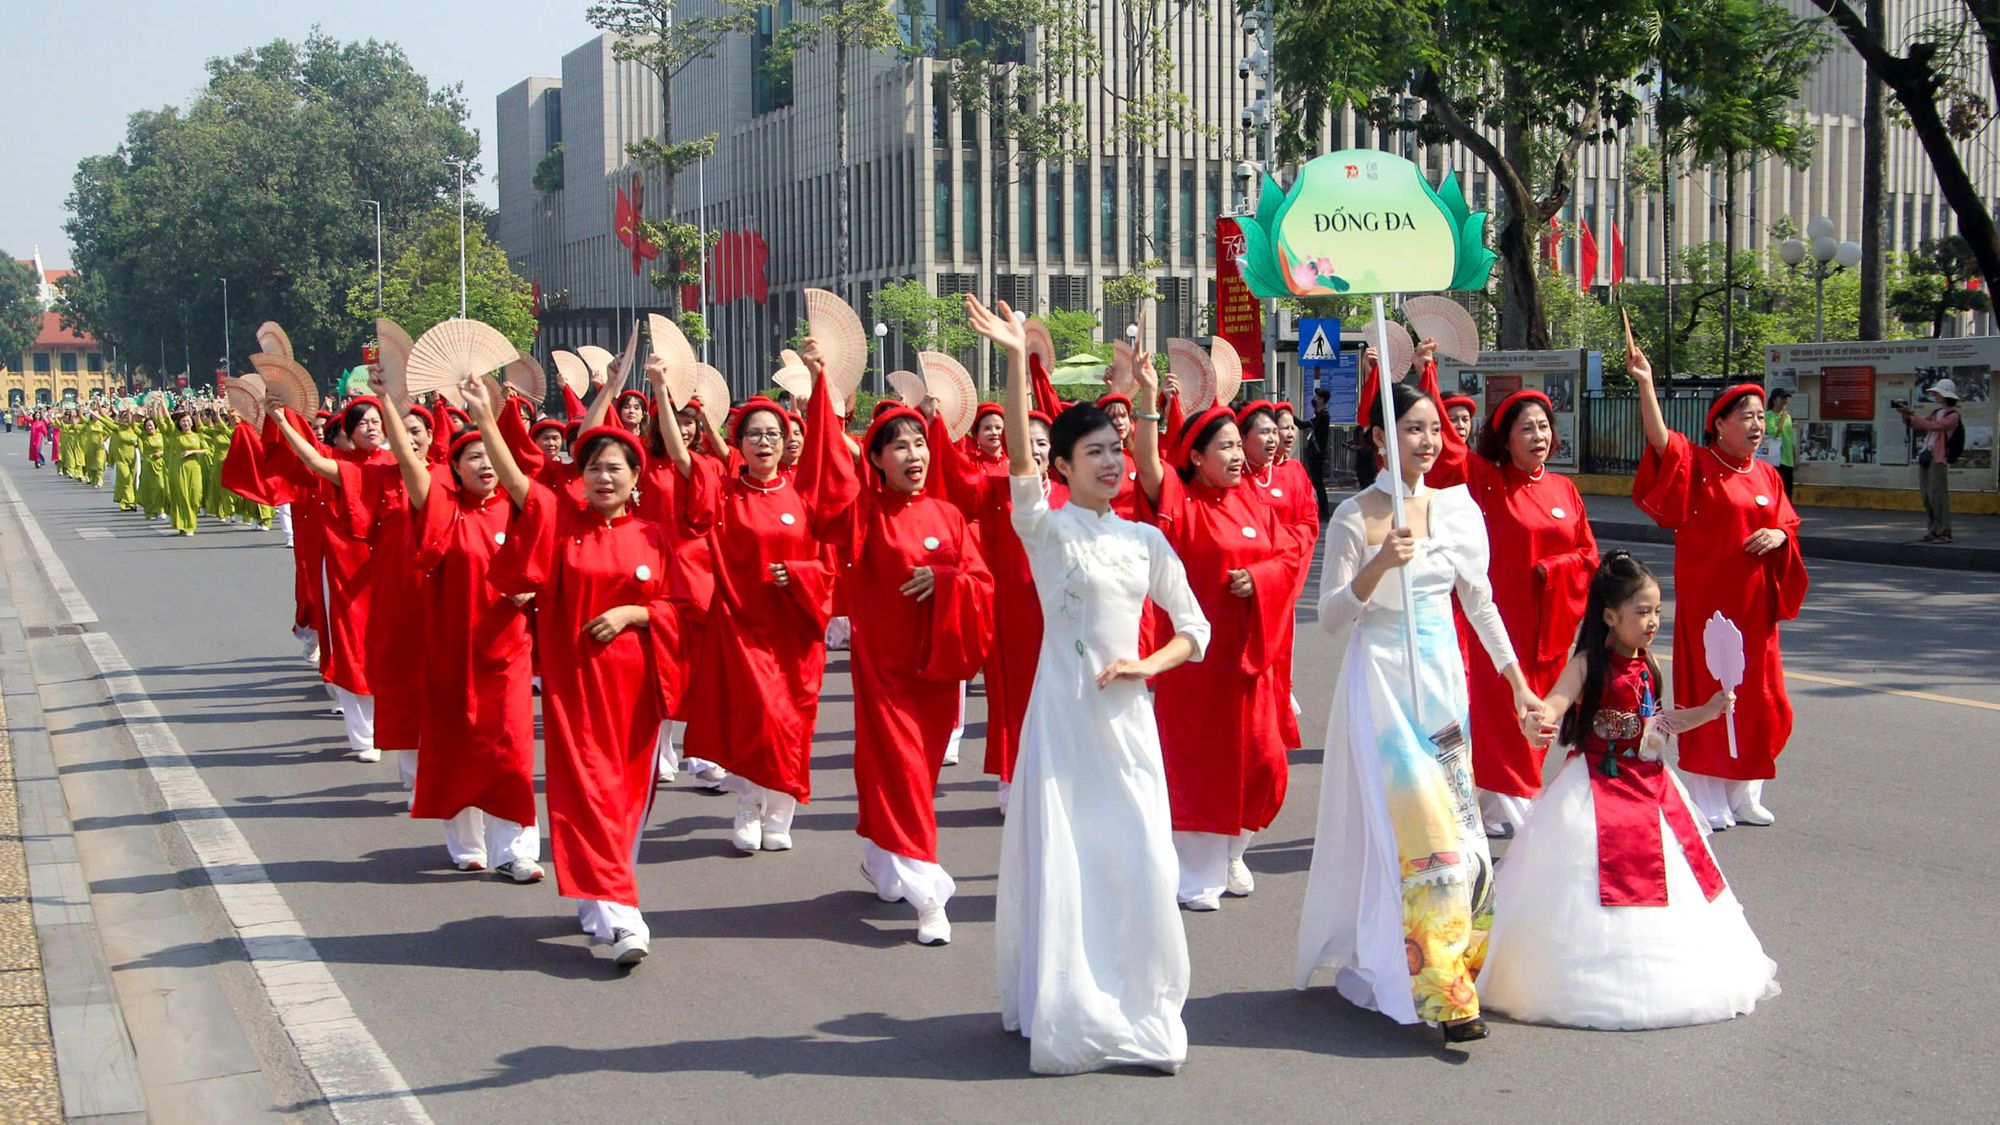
1319	340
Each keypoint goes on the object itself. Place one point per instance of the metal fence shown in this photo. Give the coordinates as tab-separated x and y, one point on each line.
1613	437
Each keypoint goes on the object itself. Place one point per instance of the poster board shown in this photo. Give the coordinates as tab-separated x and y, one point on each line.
1558	374
1863	442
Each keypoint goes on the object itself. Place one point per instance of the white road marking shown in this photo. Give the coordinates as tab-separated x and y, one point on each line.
94	533
360	1083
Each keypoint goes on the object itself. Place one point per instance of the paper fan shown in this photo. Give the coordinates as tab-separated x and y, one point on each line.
393	353
1228	368
627	358
596	360
1446	321
908	385
1722	651
246	398
1402	350
157	399
527	376
794	381
1040	343
958	400
290	382
1120	377
454	351
272	339
671	344
790	358
842	340
713	391
572	370
1196	372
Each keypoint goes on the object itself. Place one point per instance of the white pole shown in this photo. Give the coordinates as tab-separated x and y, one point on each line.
701	218
1393	458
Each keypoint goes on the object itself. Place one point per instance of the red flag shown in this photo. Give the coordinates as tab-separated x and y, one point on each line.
1586	257
1617	255
1552	245
760	257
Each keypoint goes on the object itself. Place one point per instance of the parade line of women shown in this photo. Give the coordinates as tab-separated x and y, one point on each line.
1124	574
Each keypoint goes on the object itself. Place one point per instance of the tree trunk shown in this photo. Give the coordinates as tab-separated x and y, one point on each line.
1728	263
671	295
1874	212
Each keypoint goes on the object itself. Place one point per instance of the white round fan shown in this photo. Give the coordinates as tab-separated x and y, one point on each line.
572	370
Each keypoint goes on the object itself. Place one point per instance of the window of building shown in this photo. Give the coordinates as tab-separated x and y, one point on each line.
1025	199
1055	214
1187	216
67	361
941	208
1162	220
968	127
1069	292
970	231
1082	219
769	91
94	363
551	118
1214	208
1107	211
1001	215
940	114
43	364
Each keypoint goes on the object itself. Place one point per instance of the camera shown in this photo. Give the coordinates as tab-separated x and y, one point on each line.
1899	404
1242	68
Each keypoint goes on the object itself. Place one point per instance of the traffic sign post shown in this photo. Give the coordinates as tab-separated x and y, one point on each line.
1327	366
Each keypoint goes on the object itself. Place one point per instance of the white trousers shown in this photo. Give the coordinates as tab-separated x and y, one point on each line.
481	836
358	712
601	919
774	809
1205	860
1718	798
1006	790
670	761
921	884
406	764
957	730
284	513
1501	808
838	632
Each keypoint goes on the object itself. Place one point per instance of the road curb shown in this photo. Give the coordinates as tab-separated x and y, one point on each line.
1874	551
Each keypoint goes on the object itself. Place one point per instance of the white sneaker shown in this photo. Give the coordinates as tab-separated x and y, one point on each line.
1241	882
628	948
873	886
713	777
933	928
1499	830
521	870
777	841
1753	813
369	755
951	754
749	833
477	863
1719	823
1202	905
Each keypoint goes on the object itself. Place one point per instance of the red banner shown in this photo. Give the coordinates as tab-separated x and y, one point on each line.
1239	316
1847	393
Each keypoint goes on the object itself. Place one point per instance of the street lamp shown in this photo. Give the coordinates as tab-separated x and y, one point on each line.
1829	255
460	165
225	323
882	350
378	251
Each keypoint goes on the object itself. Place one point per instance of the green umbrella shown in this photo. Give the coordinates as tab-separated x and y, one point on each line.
1082	367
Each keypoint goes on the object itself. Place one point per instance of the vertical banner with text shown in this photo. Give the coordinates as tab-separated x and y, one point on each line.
1239	315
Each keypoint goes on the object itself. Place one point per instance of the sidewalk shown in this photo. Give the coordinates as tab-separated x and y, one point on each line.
29	1089
1841	534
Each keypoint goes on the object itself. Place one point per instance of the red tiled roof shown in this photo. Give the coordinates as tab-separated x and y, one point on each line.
54	335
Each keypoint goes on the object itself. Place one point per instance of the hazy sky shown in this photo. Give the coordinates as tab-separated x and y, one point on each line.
77	68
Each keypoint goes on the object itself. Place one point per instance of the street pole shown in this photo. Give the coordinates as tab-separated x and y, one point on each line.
1268	33
460	165
1819	306
701	221
378	251
225	325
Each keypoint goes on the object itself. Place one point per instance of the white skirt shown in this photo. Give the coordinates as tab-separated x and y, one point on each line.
1557	955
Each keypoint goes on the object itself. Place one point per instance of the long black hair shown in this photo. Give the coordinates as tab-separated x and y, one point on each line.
1405	396
1619	578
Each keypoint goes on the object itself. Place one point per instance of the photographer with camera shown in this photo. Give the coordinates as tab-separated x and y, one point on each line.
1945	444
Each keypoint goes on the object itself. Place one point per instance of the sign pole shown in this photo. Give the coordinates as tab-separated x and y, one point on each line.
1392	454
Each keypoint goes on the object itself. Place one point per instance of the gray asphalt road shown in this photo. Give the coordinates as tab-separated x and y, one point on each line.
780	988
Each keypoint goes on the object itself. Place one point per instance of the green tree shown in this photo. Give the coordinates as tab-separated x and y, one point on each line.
1146	110
260	180
420	285
1074	331
660	36
549	173
1934	286
1727	100
926	321
847	26
20	309
1937	79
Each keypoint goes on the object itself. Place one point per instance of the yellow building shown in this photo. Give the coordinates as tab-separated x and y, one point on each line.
60	365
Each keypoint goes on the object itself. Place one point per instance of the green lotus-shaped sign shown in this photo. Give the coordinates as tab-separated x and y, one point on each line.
1362	221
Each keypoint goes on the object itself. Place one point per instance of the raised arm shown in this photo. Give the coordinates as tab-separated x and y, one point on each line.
1641	370
1146	429
307	453
669	427
479	403
1010	337
416	475
607	394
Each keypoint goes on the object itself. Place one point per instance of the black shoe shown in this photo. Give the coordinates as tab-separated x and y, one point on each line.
1474	1028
